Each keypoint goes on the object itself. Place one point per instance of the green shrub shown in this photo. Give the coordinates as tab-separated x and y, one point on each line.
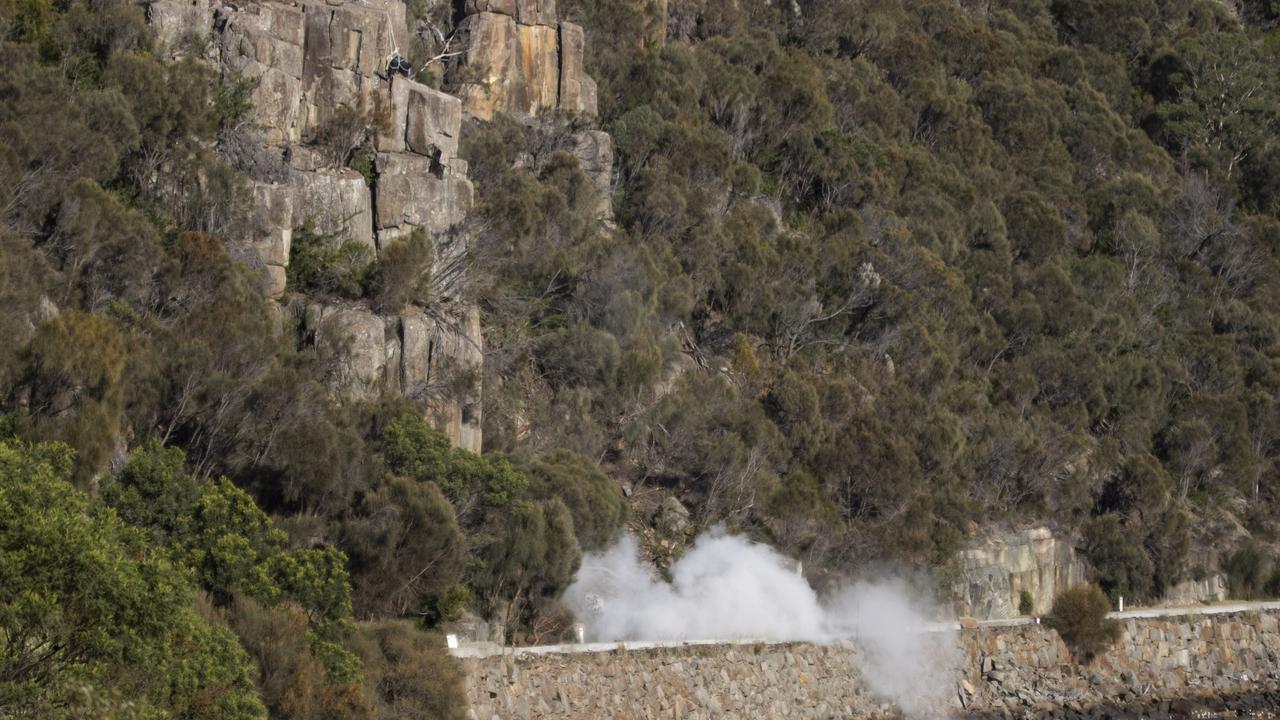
77	364
597	507
1080	617
291	675
320	263
406	548
409	674
1124	569
87	604
1026	603
449	606
1246	568
402	274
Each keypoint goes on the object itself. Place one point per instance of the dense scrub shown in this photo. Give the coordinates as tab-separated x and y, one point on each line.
882	270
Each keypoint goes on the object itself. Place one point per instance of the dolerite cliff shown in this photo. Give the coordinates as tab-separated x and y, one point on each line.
315	65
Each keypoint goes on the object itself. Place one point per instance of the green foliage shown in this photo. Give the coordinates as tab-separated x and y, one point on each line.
1080	617
328	265
597	507
114	250
230	541
1026	603
406	548
83	605
1220	86
1123	568
409	673
450	606
291	676
76	364
531	558
800	513
235	550
1247	571
471	482
402	274
154	490
523	548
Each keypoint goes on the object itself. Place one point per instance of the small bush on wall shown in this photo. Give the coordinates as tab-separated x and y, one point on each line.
1080	617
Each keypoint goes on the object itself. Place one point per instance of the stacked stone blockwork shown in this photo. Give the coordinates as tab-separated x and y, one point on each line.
1160	667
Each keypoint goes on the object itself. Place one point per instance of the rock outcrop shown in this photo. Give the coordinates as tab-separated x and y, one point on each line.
411	353
518	58
594	150
993	575
321	75
178	26
320	68
1209	589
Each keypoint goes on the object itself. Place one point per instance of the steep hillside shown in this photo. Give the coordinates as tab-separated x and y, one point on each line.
884	271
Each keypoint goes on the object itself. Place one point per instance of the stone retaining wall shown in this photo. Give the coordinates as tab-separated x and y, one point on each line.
1002	672
1174	657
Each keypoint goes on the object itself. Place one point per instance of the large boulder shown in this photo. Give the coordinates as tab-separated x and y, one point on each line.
337	202
434	123
414	192
422	120
178	24
517	59
354	341
594	150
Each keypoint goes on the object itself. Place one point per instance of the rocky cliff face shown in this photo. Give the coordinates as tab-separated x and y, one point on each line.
321	72
994	574
519	59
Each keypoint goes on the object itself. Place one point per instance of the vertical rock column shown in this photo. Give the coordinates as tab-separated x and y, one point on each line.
518	58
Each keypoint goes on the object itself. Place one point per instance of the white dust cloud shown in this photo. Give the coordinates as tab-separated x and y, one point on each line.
726	588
